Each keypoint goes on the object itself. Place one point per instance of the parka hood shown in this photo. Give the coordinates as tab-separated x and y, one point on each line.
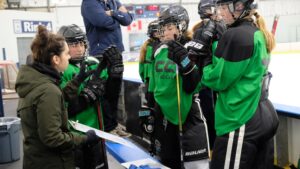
29	78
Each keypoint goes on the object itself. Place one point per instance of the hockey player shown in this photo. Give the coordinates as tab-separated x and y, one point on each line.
179	137
245	119
85	107
208	31
209	20
145	69
146	58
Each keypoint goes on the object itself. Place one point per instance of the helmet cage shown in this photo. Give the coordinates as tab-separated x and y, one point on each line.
247	6
152	28
206	8
181	25
176	15
73	34
205	12
77	39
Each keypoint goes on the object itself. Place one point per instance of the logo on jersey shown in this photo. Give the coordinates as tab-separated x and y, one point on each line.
193	44
164	66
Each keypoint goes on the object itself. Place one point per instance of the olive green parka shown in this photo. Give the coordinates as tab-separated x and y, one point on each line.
48	142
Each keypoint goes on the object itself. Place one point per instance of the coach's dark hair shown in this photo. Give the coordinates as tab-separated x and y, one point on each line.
45	45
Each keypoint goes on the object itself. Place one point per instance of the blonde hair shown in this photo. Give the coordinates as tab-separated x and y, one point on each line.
187	35
197	26
261	25
143	51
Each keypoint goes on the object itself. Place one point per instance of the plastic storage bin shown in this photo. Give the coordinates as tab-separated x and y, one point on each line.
9	139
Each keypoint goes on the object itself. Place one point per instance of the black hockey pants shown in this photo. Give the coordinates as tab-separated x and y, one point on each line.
87	157
251	145
167	138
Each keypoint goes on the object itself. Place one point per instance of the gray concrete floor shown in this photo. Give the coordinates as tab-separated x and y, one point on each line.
10	106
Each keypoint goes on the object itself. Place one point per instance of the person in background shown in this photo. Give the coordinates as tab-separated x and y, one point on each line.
146	58
48	142
102	20
82	107
207	13
145	70
245	119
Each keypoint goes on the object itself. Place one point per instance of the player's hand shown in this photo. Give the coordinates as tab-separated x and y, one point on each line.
179	54
115	61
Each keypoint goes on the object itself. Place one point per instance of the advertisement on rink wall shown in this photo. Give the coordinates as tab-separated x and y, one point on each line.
30	26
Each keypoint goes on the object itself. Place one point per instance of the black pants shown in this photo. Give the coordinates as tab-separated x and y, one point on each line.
251	145
166	141
109	115
110	103
87	157
207	100
167	136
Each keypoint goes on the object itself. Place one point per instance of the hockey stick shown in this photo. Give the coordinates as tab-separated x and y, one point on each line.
274	26
197	100
179	119
101	126
96	74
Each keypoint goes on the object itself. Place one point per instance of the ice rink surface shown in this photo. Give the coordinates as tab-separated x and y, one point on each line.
285	83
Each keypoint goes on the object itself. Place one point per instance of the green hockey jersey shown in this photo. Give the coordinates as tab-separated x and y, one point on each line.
89	116
239	63
164	86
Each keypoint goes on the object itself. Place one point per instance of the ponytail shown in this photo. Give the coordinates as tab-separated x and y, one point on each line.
187	35
269	37
45	45
197	26
143	51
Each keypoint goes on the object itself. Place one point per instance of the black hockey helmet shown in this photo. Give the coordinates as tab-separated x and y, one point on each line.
72	33
235	5
153	27
248	4
175	14
206	8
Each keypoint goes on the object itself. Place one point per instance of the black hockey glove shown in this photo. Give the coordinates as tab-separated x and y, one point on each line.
200	47
206	34
202	39
92	138
115	61
178	54
83	73
94	89
70	91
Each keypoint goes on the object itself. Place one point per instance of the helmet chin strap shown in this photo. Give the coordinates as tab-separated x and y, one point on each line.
232	9
178	37
175	37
